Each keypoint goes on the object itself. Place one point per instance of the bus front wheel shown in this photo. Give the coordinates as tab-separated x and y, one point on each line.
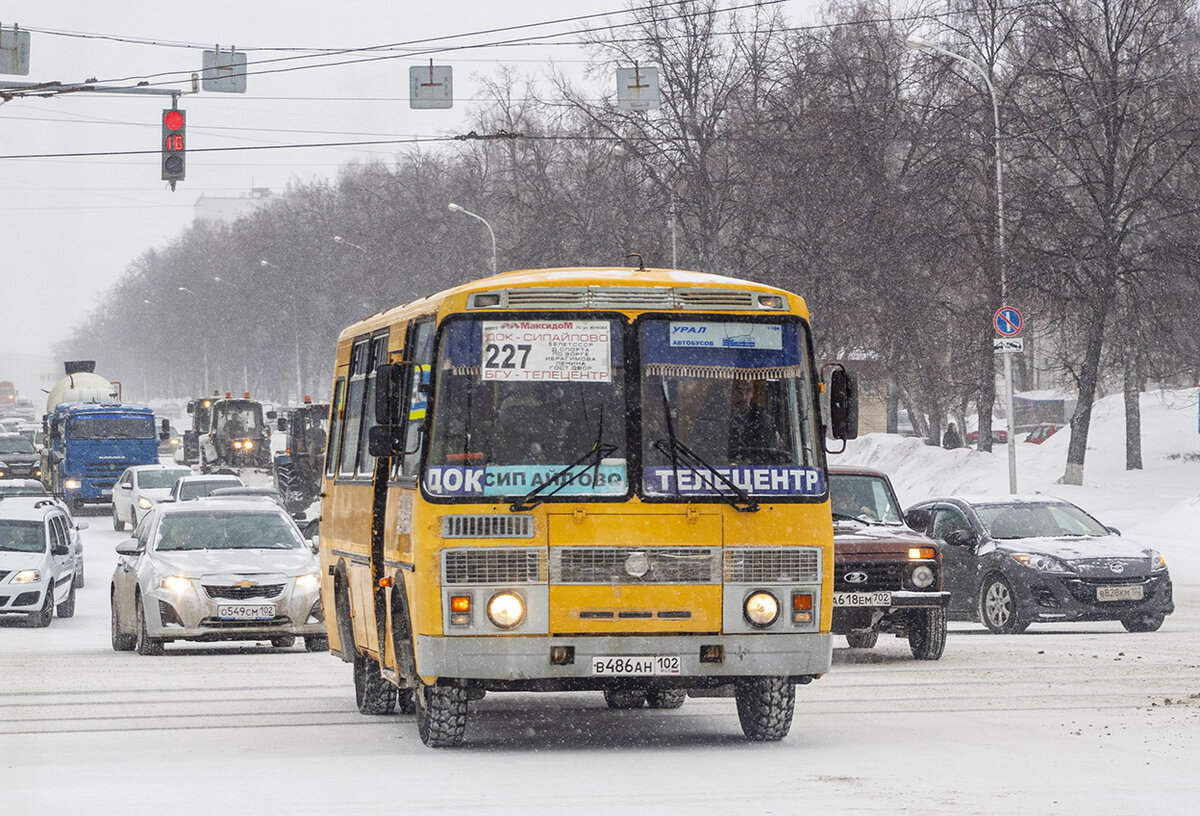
441	714
764	707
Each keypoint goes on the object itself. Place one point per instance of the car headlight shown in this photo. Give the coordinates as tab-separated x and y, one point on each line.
145	503
238	444
248	444
176	583
27	577
308	582
922	576
762	608
1157	562
1041	563
72	484
506	609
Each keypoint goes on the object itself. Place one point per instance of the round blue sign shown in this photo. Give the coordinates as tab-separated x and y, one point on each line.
1008	321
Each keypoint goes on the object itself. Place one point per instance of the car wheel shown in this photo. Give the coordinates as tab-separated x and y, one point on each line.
283	641
441	714
624	698
121	642
372	693
133	519
862	640
78	582
927	633
765	706
146	645
66	609
118	525
41	619
316	643
998	607
666	698
1148	622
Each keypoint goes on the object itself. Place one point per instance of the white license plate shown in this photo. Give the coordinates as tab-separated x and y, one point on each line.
245	611
630	666
1134	592
106	491
853	599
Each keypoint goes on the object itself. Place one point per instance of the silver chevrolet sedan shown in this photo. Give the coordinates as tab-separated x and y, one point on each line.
216	569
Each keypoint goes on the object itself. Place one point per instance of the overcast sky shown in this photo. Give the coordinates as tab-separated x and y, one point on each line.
71	226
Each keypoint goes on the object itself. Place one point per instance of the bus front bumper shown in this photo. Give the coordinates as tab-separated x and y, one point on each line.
519	659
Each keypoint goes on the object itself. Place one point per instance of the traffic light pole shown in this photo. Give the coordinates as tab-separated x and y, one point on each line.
48	89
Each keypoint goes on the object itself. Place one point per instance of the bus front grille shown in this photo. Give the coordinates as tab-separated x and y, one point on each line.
773	565
492	565
632	565
482	525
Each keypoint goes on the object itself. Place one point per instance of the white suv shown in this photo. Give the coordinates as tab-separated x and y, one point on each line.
140	488
37	560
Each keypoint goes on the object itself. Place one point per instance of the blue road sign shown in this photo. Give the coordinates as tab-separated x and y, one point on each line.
1008	321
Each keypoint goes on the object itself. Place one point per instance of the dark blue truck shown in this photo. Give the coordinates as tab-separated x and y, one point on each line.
89	445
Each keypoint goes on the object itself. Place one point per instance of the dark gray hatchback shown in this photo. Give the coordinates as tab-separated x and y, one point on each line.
1013	561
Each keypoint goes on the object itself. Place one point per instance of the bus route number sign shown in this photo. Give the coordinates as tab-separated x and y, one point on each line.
546	351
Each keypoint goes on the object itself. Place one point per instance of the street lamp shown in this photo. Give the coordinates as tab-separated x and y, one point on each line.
203	338
337	239
918	43
455	208
295	318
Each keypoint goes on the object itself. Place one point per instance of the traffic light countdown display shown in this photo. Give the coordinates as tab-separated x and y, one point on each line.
173	126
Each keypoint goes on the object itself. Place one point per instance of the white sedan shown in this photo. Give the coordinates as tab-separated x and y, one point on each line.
140	488
216	569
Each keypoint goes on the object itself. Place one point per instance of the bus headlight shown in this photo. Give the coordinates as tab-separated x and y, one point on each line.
762	608
506	610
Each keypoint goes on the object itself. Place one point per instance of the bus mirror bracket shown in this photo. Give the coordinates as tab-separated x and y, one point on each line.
843	403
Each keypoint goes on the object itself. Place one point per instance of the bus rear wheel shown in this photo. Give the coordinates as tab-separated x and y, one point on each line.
765	706
441	714
372	692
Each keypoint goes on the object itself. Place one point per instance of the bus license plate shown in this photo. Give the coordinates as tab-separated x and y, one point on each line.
629	666
1134	592
246	611
849	600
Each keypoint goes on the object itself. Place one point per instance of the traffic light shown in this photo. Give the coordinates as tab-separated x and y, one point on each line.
173	127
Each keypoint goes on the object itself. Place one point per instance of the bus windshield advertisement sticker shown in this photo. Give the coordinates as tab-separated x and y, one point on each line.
768	336
760	480
514	480
547	351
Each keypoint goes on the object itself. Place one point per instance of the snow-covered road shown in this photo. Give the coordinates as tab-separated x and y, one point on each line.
1064	719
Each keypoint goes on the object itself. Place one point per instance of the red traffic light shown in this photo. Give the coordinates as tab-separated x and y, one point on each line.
173	119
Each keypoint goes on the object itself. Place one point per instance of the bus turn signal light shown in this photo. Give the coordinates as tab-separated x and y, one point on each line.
802	607
460	610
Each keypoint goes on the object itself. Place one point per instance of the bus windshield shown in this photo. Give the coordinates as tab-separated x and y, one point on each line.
526	401
728	406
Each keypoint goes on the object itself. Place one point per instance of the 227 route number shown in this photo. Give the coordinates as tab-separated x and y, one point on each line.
509	351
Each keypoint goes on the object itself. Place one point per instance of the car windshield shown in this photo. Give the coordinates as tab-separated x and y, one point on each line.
237	419
22	489
226	530
22	536
16	444
524	402
728	404
1030	520
194	490
154	479
863	497
112	428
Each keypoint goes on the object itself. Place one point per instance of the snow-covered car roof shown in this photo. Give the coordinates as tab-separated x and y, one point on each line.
28	508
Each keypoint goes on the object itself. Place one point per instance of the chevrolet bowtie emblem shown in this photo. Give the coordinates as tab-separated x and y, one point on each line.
243	584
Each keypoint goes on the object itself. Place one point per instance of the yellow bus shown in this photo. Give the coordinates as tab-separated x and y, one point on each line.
582	479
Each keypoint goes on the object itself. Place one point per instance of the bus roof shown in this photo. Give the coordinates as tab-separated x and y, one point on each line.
653	281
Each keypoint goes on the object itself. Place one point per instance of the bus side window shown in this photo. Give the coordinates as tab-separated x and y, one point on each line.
366	462
421	343
352	421
335	427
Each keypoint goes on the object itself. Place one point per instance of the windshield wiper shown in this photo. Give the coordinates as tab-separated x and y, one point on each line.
682	454
598	451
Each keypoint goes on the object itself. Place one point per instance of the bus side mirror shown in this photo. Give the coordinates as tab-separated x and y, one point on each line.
843	403
272	414
191	406
382	441
281	424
